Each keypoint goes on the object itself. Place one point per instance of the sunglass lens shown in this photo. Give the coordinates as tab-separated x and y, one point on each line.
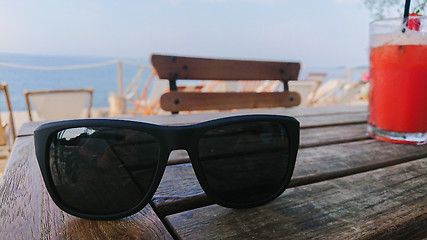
246	162
102	170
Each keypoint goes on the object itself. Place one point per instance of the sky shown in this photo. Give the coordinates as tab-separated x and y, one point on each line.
317	33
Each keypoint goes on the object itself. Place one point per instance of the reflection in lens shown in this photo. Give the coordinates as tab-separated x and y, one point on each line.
102	170
245	162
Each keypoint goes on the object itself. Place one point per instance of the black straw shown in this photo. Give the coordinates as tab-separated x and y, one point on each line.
406	12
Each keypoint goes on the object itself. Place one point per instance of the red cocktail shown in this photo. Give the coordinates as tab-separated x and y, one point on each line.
398	82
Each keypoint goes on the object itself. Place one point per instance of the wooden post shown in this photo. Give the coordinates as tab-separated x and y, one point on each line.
9	108
120	77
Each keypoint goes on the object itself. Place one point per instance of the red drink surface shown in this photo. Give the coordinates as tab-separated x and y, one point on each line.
398	88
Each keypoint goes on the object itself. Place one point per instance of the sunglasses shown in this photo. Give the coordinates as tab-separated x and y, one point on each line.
107	169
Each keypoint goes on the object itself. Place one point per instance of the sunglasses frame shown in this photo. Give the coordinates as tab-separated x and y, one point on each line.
169	138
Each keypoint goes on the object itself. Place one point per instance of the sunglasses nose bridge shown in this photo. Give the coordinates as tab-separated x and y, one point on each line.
180	138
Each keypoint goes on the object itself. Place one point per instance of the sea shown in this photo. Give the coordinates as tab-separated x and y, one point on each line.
104	79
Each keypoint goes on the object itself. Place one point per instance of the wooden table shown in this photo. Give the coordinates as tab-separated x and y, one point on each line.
345	185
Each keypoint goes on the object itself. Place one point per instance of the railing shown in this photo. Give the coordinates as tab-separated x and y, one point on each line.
119	63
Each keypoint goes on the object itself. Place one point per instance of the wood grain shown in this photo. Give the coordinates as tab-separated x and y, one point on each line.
331	120
308	117
309	137
27	212
312	137
177	67
345	208
313	164
345	186
190	101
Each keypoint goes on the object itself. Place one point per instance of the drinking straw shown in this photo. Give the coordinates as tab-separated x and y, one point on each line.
406	13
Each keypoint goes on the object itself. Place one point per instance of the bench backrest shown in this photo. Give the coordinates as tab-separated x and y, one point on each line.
174	68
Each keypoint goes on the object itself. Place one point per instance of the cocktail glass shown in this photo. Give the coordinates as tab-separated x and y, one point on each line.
398	80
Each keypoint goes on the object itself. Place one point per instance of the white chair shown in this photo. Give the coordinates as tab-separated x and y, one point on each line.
317	77
59	104
304	88
326	92
349	92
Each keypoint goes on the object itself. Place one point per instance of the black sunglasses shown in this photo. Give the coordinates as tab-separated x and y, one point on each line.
109	169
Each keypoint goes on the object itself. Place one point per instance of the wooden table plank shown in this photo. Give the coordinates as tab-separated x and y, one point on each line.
27	212
345	185
309	137
312	137
349	207
317	129
331	120
327	116
179	189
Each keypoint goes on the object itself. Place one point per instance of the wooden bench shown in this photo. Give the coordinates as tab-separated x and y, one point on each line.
174	68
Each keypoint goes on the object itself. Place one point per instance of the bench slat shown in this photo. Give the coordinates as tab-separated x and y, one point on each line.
176	67
190	101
